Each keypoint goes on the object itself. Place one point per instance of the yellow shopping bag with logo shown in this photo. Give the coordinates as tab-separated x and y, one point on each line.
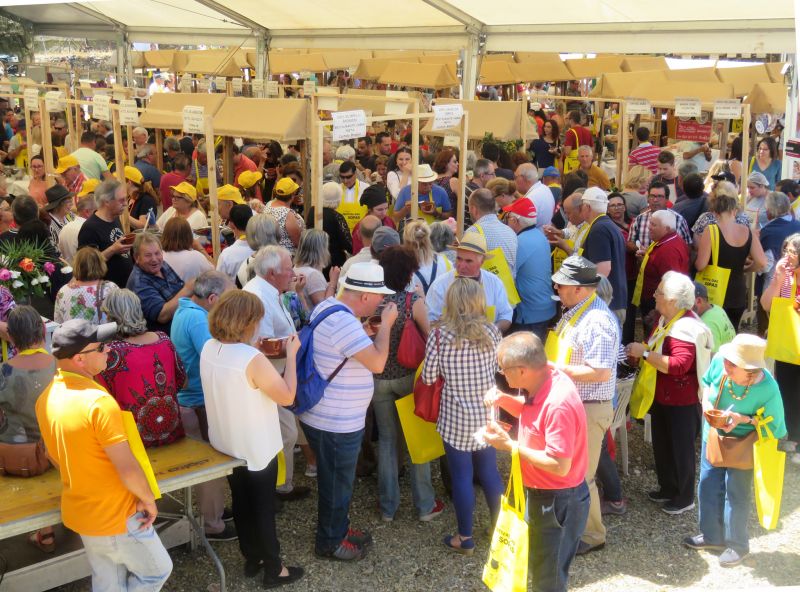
783	336
423	441
644	385
506	570
768	467
714	277
498	265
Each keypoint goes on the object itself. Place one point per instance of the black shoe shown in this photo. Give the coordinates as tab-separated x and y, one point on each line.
658	496
698	542
252	567
675	509
584	548
298	492
227	534
227	515
295	573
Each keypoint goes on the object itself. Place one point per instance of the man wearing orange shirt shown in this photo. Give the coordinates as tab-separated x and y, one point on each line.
105	498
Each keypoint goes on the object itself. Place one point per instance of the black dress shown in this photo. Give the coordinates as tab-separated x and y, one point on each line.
733	258
340	242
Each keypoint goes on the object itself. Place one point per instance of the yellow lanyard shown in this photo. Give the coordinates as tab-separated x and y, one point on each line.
661	332
637	292
30	352
577	316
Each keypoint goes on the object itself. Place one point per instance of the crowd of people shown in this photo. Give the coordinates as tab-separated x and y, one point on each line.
557	284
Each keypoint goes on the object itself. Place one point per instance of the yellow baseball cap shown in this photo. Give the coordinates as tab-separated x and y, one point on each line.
186	189
134	175
230	193
249	178
88	187
286	186
66	162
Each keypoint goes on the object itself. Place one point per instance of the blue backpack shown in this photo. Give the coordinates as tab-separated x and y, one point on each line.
310	385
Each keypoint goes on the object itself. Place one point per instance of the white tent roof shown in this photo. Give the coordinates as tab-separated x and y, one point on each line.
621	26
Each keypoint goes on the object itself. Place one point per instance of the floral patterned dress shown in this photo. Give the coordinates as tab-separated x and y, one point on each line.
145	379
82	302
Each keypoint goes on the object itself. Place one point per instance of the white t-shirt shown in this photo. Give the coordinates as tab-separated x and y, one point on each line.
68	238
242	420
545	203
196	219
344	404
315	281
231	258
187	264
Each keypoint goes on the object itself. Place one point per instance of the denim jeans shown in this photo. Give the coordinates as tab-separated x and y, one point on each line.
607	475
337	455
725	498
461	463
135	561
556	518
386	393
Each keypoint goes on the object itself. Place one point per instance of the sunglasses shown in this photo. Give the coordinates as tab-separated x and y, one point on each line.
345	177
100	349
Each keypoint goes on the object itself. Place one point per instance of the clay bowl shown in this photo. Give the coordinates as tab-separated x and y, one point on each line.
717	418
129	238
374	322
427	206
273	348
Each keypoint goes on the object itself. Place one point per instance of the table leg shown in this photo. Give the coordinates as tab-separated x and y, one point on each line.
188	512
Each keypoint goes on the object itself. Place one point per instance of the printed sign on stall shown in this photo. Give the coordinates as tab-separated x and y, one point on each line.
453	141
193	119
691	130
101	106
31	99
53	101
128	113
272	87
727	109
447	116
687	107
237	84
792	149
348	125
309	86
221	83
638	107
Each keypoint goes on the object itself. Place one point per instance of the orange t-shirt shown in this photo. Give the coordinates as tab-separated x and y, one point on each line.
79	419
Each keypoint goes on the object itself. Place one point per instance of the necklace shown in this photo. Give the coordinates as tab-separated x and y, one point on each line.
733	395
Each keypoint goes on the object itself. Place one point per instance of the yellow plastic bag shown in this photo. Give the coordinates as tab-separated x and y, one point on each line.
714	277
498	265
783	336
506	569
423	441
281	469
139	453
768	467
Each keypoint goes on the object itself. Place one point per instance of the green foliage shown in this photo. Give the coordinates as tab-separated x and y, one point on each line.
16	38
510	146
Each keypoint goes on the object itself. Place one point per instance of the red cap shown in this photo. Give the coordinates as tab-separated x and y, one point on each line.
522	207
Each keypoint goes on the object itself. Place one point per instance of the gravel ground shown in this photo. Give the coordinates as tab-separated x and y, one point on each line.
643	550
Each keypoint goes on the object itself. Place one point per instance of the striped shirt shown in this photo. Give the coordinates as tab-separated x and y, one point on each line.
645	155
344	405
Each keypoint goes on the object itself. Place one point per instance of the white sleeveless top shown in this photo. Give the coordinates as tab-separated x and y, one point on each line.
242	420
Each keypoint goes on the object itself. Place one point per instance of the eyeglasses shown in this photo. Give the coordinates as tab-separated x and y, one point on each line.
100	349
658	292
345	177
651	196
58	129
616	205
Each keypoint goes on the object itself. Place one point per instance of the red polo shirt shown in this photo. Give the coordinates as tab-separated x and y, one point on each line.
553	420
584	137
670	254
245	164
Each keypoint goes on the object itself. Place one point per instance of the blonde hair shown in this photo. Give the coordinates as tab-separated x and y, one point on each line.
89	264
464	314
417	235
501	186
235	313
637	177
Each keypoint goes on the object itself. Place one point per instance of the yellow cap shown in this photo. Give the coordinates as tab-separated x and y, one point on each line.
286	187
88	187
230	193
134	175
186	189
249	178
66	162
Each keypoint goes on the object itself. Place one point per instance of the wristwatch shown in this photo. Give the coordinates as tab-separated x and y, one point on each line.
645	353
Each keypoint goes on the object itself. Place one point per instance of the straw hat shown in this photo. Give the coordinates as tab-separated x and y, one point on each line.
366	277
425	174
249	178
745	351
473	242
186	190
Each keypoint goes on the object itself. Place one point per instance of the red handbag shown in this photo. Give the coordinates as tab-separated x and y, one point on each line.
428	397
411	350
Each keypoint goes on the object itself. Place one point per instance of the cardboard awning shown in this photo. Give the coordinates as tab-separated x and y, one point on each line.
498	57
744	78
434	76
174	103
767	98
774	70
541	71
371	69
665	94
343	59
639	63
164	59
374	105
448	59
594	68
538	56
496	72
218	63
284	120
287	63
505	120
693	75
619	85
137	59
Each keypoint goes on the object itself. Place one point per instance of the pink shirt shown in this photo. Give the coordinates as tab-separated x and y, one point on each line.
554	420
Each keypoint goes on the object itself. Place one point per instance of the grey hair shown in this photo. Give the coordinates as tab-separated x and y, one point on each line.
345	152
678	288
667	218
125	309
210	282
441	236
261	230
585	148
106	124
25	327
522	349
139	130
686	168
171	143
269	259
482	165
471	160
331	195
528	171
483	201
104	192
523	221
144	238
313	250
86	204
605	290
145	151
777	204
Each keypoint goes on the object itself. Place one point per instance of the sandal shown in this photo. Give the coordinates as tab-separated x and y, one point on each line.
466	545
45	542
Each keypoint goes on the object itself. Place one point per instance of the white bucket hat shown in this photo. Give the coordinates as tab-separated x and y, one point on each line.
745	351
366	277
425	174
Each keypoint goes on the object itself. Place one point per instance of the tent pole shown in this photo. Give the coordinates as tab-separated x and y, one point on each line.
415	161
745	152
318	140
47	144
469	67
119	159
159	134
212	186
227	159
462	175
624	135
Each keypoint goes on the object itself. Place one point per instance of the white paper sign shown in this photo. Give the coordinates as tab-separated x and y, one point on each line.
193	119
348	125
128	114
304	74
272	87
237	85
52	100
101	106
5	89
447	116
327	103
638	107
687	107
221	83
727	109
31	99
454	141
202	86
309	86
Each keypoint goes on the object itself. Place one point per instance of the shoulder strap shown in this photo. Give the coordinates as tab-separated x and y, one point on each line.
433	268
719	392
577	138
714	236
325	314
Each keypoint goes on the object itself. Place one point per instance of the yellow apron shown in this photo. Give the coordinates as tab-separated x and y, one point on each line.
571	162
201	184
21	161
637	292
714	277
583	235
644	386
429	218
352	212
556	348
499	267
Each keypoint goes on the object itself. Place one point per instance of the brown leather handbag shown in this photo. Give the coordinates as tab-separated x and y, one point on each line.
727	451
23	460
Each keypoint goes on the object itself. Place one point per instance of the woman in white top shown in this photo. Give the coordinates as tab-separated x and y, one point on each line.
184	205
83	296
312	257
400	176
417	235
242	393
182	252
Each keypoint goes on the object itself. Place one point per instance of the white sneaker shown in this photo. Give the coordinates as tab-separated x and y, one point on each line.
311	471
795	458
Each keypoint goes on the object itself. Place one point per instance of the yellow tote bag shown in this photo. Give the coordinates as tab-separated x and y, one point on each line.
499	267
644	385
556	346
506	569
714	277
571	162
768	467
281	469
423	441
783	336
139	453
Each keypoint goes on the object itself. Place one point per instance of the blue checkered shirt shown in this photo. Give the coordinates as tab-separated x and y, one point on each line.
498	235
